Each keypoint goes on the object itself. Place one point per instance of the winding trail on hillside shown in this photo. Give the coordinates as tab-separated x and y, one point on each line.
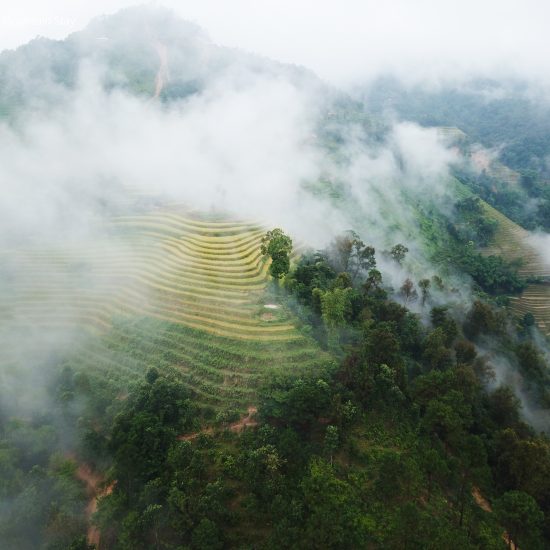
245	422
248	421
162	73
95	490
483	503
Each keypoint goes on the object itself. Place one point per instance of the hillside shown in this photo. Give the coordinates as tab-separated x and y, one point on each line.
178	291
513	243
242	309
125	50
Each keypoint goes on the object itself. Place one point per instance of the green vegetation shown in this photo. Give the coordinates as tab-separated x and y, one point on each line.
400	444
499	115
390	445
219	395
459	242
278	247
492	113
179	293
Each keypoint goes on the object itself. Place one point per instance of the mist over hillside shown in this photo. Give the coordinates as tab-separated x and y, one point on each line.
243	307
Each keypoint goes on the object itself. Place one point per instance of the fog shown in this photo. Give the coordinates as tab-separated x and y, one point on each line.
245	145
541	243
250	144
255	140
344	42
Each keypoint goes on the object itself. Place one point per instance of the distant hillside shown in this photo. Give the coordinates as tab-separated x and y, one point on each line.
512	242
125	49
497	114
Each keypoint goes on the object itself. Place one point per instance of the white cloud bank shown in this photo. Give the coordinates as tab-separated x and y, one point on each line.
345	41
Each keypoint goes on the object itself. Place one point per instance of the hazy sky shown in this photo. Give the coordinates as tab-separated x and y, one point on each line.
344	40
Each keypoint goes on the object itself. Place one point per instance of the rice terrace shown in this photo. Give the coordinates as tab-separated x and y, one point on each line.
513	242
178	291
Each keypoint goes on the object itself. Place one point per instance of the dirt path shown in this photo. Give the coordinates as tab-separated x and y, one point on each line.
162	73
94	488
245	422
483	503
194	435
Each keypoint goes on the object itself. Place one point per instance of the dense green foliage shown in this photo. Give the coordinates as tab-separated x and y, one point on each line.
385	451
42	503
502	116
492	113
392	448
527	203
455	240
278	247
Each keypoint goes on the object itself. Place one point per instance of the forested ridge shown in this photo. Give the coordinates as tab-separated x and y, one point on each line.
399	444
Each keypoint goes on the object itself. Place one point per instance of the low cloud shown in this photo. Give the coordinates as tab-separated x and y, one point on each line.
251	144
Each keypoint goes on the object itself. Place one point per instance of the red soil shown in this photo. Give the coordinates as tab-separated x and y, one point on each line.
245	422
94	488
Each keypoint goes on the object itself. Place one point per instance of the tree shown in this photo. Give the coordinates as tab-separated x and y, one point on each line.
385	386
341	250
312	272
523	464
296	403
435	353
206	536
441	319
343	280
398	476
331	441
424	285
278	247
362	258
408	292
352	255
374	280
531	360
333	517
480	320
438	282
522	518
382	346
465	352
334	306
504	406
398	252
442	420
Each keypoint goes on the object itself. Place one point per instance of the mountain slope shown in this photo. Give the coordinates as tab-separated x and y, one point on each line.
513	243
179	292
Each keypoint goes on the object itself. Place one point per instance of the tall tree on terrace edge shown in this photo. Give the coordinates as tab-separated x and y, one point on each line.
278	247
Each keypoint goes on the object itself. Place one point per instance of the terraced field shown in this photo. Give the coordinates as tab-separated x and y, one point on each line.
164	289
512	242
536	300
